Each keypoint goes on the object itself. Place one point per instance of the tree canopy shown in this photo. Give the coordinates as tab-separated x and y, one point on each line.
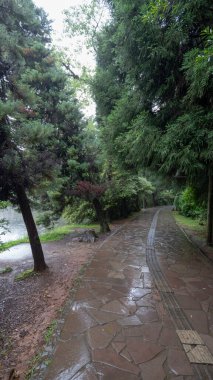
154	89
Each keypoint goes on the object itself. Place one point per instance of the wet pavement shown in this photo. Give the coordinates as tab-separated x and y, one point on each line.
144	309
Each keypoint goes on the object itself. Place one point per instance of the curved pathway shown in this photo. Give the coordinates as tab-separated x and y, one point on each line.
144	309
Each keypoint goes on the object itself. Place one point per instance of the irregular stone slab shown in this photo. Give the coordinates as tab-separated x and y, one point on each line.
198	354
178	363
147	314
115	307
83	294
119	338
110	357
118	346
103	316
147	300
164	316
137	293
130	321
116	275
132	331
141	351
117	265
88	374
69	358
106	294
179	268
145	269
169	338
76	322
201	295
138	283
208	341
129	304
123	289
189	337
205	306
153	369
96	273
148	281
175	283
198	320
148	331
101	336
151	331
79	305
188	302
125	354
106	372
132	273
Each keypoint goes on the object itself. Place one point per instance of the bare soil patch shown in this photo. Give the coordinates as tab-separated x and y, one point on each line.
28	307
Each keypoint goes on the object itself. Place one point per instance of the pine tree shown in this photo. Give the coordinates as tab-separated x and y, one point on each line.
162	112
23	136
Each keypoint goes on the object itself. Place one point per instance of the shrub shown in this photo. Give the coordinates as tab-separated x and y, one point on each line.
79	211
188	204
166	197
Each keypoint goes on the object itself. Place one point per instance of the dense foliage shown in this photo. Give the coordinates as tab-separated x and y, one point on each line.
154	88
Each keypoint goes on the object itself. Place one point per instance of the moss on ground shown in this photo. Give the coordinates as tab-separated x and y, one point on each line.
26	274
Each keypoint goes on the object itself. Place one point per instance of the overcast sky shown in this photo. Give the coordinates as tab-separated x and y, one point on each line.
54	9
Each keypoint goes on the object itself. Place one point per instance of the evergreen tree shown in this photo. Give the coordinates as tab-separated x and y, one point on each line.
161	115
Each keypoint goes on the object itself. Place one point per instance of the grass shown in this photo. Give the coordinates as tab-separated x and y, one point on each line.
57	233
192	224
60	232
26	274
6	270
32	365
50	331
9	244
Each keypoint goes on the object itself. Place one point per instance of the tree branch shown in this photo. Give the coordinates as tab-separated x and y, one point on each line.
70	71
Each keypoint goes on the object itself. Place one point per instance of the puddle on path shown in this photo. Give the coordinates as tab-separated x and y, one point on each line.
18	252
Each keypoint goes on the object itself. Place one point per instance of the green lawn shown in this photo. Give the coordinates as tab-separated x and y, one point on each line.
192	224
52	235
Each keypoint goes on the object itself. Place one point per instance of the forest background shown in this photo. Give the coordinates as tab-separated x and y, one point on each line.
151	141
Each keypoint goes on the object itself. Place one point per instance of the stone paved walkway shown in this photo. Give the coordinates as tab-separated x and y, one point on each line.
143	288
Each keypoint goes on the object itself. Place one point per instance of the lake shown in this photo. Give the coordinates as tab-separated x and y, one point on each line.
16	225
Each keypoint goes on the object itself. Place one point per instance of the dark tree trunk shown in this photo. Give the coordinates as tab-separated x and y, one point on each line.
144	203
137	204
124	208
100	215
38	256
210	210
154	199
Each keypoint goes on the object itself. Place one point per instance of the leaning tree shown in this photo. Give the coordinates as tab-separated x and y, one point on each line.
24	136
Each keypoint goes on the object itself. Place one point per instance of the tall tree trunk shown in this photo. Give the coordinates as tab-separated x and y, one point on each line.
124	208
210	209
100	215
38	256
154	201
137	204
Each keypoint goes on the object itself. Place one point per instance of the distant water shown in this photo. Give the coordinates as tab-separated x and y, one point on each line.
16	225
16	253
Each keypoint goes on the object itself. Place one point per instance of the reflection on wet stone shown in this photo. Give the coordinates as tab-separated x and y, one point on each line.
120	327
